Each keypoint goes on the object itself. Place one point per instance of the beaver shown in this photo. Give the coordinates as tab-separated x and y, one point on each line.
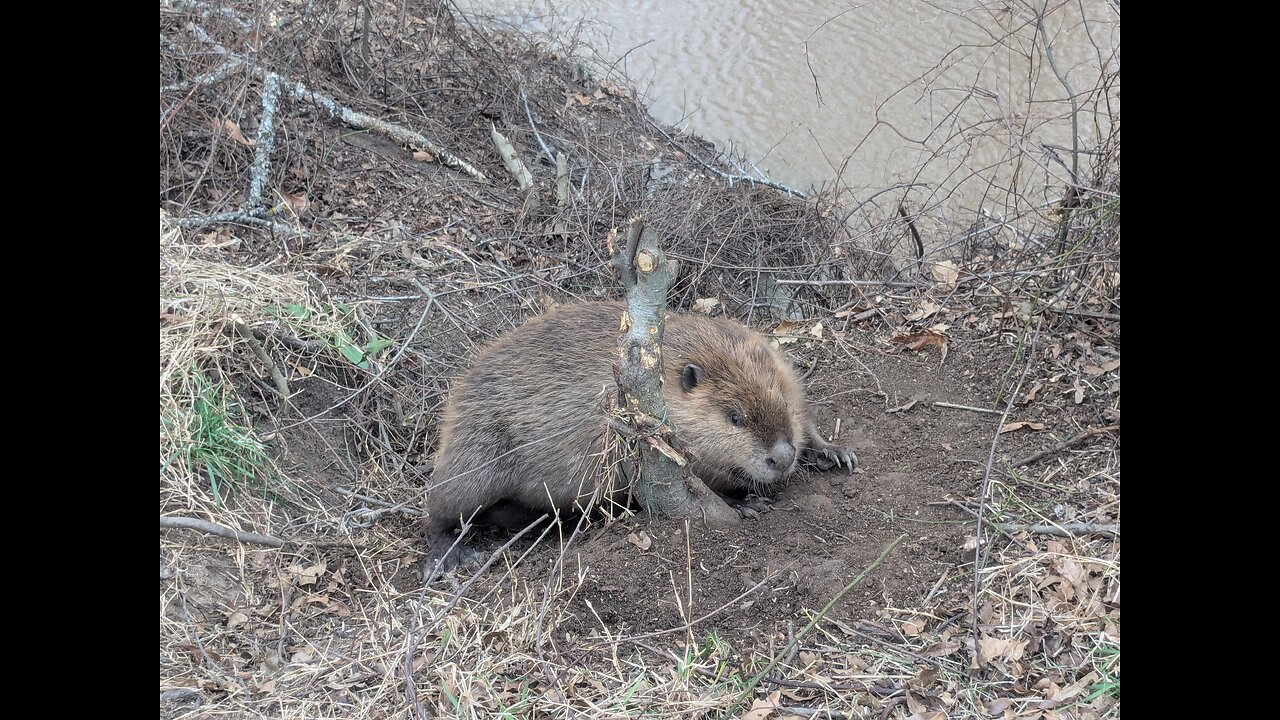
524	430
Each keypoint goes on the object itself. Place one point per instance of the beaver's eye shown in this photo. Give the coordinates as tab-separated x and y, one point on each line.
735	417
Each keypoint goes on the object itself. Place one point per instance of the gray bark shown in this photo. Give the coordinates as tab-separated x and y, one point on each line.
665	485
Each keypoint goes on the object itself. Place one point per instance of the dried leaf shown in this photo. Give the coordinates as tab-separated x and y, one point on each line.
921	340
423	156
232	128
1021	424
941	649
763	708
816	330
913	627
640	540
781	331
855	310
997	706
297	203
1031	394
992	648
925	310
1096	370
946	274
705	305
786	326
582	99
237	619
308	575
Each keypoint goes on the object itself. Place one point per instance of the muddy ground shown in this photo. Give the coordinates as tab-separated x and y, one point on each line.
916	460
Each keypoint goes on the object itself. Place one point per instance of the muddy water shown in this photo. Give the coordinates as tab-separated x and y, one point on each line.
867	94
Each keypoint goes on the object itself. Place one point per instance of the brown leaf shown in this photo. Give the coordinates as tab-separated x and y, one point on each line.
582	99
308	575
946	274
422	156
1096	370
1021	424
640	540
913	627
237	618
921	340
783	328
763	708
855	310
925	310
924	678
997	706
816	330
297	203
941	649
232	128
992	648
1031	394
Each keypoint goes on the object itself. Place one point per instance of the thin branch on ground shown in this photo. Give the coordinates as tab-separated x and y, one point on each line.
187	523
1091	432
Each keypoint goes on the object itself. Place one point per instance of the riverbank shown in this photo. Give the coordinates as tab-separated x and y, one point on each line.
351	242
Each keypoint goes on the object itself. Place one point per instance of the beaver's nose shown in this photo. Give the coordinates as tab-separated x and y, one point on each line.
781	456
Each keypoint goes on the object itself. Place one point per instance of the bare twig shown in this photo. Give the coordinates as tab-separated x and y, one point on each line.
986	486
534	126
1069	443
755	681
727	176
954	406
1065	529
187	523
282	386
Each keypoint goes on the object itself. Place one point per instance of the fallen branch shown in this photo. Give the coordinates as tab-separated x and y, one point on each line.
966	407
187	523
562	179
300	92
859	283
509	158
1007	533
265	143
282	385
241	217
361	121
1065	529
1064	445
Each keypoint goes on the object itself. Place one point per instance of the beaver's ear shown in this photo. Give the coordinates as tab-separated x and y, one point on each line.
690	377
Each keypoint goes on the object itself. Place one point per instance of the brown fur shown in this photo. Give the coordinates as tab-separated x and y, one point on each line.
525	426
